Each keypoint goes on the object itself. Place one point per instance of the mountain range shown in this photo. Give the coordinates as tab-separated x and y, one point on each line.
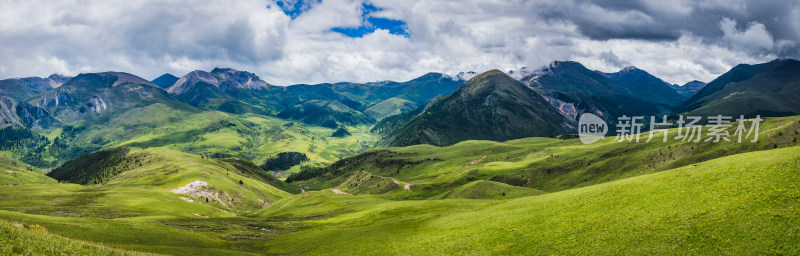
574	90
432	109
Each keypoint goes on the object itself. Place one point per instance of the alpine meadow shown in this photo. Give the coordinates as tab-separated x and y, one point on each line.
377	127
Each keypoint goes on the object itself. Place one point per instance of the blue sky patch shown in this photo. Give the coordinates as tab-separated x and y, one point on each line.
369	24
294	8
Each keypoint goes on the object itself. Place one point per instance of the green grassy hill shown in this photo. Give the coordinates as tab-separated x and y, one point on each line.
741	204
157	205
538	163
135	181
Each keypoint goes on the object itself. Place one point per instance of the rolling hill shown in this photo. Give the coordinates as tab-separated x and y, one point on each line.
15	172
231	185
744	202
740	204
483	189
544	164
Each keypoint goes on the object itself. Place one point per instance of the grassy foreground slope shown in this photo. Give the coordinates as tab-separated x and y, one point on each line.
16	239
746	204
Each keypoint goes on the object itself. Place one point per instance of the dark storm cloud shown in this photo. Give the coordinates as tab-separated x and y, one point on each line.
658	20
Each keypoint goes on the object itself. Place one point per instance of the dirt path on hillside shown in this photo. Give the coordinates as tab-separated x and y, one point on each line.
476	161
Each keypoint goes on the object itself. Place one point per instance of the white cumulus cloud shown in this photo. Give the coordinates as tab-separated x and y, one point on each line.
677	41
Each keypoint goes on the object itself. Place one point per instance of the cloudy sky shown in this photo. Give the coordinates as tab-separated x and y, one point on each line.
312	41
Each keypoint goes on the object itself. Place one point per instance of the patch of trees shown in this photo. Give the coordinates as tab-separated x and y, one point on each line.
283	161
20	138
24	143
306	174
98	167
341	132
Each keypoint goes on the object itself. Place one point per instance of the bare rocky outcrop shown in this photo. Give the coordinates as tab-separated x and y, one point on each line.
200	189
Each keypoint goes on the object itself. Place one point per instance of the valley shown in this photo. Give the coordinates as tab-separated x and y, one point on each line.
224	163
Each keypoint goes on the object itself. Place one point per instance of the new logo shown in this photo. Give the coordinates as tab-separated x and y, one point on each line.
591	128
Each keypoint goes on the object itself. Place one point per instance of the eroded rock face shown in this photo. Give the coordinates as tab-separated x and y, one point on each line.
234	79
63	97
96	104
21	113
32	116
